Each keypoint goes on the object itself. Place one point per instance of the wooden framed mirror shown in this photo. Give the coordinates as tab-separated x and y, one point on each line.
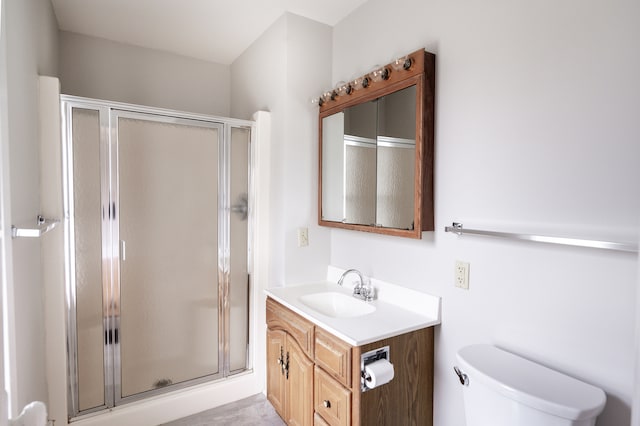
376	150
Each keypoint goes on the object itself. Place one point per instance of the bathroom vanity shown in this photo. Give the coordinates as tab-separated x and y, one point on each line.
315	357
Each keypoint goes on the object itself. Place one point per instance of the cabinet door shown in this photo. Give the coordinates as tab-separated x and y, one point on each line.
276	380
299	386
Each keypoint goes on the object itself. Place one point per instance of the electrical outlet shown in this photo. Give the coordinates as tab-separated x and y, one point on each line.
303	237
462	275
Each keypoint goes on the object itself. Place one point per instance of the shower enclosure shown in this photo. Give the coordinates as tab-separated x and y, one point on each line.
157	244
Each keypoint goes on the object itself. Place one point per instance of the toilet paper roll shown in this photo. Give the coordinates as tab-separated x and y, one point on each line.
378	373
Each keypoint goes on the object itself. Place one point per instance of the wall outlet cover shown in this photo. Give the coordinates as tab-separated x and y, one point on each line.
462	275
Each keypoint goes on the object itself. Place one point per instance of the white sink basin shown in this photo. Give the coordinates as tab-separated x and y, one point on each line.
336	305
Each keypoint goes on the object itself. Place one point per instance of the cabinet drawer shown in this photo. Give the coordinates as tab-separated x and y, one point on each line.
282	318
334	356
332	400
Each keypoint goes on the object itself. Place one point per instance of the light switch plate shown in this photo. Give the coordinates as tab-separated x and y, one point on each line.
303	237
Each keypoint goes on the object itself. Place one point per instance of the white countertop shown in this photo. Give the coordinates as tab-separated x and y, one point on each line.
398	310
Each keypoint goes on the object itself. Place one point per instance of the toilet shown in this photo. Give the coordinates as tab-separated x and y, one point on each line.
503	389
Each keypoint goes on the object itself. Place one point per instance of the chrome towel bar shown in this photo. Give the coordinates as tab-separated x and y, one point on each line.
458	229
42	227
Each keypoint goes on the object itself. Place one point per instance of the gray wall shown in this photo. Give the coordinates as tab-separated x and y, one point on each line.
32	49
97	68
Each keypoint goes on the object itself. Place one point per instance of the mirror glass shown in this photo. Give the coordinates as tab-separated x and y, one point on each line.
368	162
333	167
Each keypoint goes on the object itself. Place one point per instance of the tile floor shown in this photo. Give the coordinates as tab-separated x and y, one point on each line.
252	411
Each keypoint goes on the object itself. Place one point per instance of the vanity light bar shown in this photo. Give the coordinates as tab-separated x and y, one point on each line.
379	73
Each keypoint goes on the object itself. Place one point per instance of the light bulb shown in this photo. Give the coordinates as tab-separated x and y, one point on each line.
343	88
360	83
379	74
402	63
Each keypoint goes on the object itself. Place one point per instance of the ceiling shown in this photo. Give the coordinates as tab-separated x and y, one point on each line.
213	30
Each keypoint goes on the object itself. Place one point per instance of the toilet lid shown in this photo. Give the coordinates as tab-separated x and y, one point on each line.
530	383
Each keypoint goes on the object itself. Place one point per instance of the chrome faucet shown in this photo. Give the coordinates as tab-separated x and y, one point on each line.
361	290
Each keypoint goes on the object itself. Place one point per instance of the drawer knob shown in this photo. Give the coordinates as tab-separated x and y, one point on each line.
326	403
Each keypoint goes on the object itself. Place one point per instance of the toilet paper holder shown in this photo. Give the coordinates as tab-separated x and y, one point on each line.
369	357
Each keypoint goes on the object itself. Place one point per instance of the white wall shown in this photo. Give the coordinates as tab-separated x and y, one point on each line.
281	72
52	247
536	131
258	80
32	49
102	69
308	65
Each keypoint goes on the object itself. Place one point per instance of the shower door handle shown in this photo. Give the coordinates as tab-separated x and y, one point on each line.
123	250
111	337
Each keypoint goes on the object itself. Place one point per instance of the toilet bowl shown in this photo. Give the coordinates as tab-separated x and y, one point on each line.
503	389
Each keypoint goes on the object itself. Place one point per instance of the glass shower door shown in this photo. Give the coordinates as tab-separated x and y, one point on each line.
239	173
90	264
168	233
157	241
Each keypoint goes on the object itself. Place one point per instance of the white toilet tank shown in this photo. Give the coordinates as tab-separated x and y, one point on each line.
503	389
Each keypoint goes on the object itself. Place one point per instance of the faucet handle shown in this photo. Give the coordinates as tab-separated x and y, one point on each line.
368	292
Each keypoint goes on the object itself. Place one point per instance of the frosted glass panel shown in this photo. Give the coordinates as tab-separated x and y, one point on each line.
168	185
360	185
395	187
239	275
88	258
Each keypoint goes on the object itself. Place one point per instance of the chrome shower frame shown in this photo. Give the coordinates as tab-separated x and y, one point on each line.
109	112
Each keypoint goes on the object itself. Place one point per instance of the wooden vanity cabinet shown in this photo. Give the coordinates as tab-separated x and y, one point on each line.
290	365
408	398
318	381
